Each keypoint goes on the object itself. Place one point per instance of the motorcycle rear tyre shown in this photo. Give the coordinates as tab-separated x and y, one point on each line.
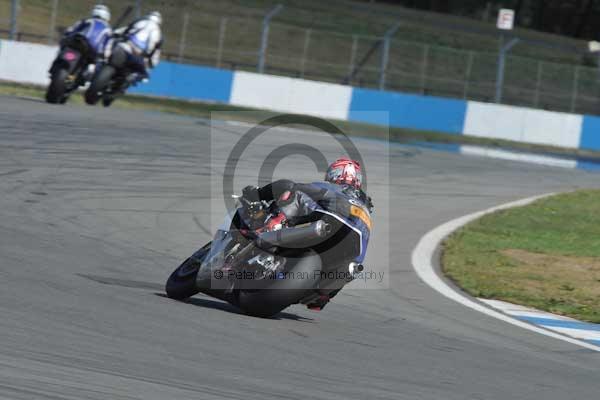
99	85
55	94
282	293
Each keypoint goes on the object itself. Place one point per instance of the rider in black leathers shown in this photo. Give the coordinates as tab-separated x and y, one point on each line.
331	201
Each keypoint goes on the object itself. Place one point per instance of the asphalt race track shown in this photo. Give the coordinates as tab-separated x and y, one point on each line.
98	206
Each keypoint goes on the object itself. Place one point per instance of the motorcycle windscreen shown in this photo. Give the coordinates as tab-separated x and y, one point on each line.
222	241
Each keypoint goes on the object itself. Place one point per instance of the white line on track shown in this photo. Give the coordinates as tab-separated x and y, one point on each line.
423	264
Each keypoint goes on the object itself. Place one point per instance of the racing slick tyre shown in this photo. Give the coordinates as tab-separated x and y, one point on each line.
182	282
284	292
55	94
107	101
99	84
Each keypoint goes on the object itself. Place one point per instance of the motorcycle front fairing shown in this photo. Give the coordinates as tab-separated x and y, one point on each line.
233	261
213	260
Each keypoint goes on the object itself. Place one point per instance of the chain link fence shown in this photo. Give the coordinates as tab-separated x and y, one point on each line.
233	41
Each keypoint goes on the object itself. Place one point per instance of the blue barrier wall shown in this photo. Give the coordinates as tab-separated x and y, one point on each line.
409	111
28	63
188	82
590	133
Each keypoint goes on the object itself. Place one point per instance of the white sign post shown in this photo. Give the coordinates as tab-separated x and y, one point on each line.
506	22
506	19
594	46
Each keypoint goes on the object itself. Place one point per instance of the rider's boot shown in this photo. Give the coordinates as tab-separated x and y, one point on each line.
319	303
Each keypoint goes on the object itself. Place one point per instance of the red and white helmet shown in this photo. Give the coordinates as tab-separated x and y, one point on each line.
345	171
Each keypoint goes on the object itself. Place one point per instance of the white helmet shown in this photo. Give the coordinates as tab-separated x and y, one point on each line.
102	12
155	16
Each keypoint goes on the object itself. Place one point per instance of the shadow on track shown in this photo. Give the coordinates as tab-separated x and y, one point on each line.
205	303
123	282
32	99
222	306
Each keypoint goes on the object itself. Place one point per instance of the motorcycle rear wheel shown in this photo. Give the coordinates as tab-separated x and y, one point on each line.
55	94
283	293
99	85
107	101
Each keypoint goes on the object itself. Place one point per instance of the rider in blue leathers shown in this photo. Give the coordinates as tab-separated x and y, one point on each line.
96	30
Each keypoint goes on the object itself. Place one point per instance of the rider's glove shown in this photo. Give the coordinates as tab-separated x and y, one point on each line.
252	205
319	303
250	194
370	205
276	222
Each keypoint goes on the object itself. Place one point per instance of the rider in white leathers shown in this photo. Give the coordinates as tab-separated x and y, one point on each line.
142	40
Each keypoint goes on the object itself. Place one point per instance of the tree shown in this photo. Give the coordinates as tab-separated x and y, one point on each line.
441	6
518	10
576	18
584	19
539	14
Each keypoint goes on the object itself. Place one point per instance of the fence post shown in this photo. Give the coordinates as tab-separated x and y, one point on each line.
52	22
222	31
353	51
424	66
468	73
575	89
186	18
138	8
538	84
14	16
385	54
504	48
264	42
307	34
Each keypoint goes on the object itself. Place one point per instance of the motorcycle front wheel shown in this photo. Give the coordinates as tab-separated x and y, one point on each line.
55	94
182	282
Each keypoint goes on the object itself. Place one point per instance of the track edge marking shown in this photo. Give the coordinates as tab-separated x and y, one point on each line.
423	263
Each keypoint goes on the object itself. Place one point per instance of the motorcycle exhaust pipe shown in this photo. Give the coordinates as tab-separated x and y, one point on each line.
294	237
355	268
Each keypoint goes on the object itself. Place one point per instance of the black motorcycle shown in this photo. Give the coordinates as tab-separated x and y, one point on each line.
68	69
113	78
263	272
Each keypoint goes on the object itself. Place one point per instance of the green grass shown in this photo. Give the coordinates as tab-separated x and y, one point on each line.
333	23
545	255
204	109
